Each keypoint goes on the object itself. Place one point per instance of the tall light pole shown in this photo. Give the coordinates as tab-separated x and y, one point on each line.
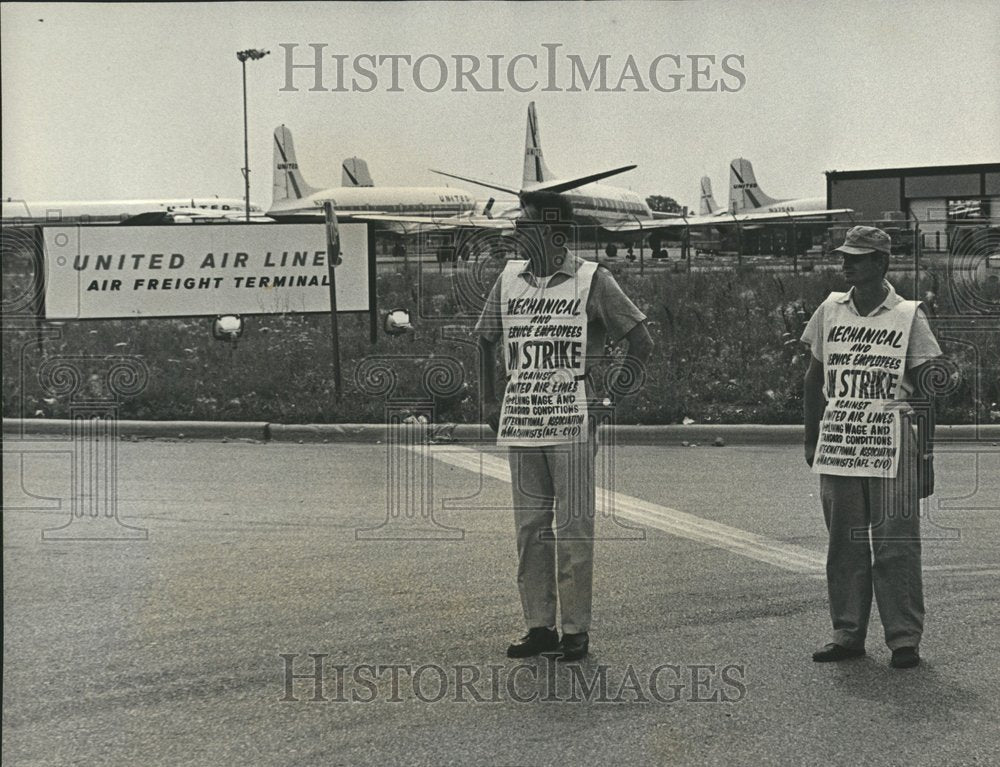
250	53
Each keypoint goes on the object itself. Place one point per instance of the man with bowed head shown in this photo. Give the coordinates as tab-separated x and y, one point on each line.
549	317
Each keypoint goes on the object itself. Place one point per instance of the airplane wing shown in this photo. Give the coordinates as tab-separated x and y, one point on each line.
315	214
436	222
755	217
187	215
728	219
477	182
564	185
219	215
552	187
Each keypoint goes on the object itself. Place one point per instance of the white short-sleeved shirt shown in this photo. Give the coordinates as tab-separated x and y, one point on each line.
610	313
923	346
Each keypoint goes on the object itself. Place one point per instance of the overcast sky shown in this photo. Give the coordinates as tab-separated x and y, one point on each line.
141	100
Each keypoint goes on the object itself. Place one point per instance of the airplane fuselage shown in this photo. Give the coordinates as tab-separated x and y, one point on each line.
783	206
790	206
420	201
110	211
599	204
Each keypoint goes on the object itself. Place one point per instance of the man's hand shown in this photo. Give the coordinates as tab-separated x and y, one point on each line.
812	397
925	375
810	453
491	413
925	476
487	383
632	373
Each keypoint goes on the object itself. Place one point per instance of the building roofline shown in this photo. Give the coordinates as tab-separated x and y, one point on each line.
920	170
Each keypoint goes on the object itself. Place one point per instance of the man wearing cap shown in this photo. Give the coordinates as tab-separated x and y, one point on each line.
869	428
549	317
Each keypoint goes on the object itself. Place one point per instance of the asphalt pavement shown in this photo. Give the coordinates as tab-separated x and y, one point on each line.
185	622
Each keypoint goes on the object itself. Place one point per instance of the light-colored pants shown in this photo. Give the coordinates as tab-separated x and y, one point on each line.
890	509
553	489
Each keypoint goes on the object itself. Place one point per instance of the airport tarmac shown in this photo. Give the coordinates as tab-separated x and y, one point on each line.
170	645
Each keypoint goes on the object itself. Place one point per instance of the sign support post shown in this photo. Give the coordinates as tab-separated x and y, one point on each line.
372	293
332	257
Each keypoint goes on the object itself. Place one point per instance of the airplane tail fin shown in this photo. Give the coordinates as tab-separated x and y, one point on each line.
744	194
354	172
535	169
708	206
288	182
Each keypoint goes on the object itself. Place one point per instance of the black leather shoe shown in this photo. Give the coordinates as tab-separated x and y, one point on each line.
834	652
537	640
905	657
574	646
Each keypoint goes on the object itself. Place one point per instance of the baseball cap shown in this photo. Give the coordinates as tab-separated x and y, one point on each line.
865	239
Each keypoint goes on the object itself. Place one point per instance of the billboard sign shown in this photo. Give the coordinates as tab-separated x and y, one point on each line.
114	271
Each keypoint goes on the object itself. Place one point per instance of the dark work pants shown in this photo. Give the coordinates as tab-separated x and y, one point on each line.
887	511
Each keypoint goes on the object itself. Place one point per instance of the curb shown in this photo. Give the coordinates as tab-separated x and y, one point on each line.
261	431
371	433
706	434
254	430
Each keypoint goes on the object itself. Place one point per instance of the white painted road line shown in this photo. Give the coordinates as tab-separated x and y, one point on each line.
784	555
959	570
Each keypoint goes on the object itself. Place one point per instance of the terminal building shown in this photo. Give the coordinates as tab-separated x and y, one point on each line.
945	202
